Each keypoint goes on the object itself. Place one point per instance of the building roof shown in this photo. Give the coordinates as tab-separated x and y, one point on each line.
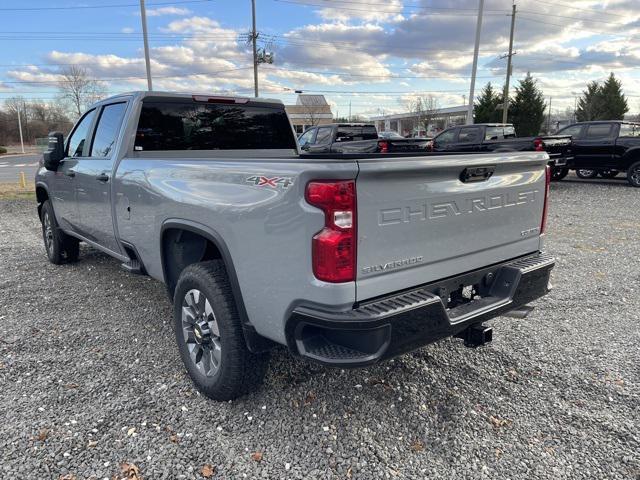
462	110
311	100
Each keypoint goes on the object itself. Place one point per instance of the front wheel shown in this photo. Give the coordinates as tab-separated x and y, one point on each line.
633	175
209	334
558	174
57	244
608	173
585	173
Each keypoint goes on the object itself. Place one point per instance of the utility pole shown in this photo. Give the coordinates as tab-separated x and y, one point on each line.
20	128
505	105
254	38
549	118
475	64
143	14
349	110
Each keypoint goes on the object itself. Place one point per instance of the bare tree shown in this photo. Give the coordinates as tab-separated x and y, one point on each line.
426	109
78	89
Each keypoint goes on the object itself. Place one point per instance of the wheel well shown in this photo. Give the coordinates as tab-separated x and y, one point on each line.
181	248
41	197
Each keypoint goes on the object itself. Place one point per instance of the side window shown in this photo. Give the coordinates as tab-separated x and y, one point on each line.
509	132
324	136
574	131
107	129
446	137
494	133
469	135
599	130
307	137
75	144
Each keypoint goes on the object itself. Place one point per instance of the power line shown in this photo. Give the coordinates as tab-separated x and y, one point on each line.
85	7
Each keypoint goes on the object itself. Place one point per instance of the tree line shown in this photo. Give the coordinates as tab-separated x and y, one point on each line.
527	108
76	91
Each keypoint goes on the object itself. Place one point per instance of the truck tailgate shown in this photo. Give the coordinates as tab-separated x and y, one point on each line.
418	222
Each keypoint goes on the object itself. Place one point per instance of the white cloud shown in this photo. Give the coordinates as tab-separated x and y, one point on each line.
157	12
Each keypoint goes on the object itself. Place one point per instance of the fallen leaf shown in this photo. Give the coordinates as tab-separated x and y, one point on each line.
71	385
131	431
417	446
256	456
130	471
207	471
92	444
68	476
311	396
499	422
498	453
174	438
549	450
619	382
349	472
42	435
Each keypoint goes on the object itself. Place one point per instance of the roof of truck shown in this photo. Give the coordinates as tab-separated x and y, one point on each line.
147	94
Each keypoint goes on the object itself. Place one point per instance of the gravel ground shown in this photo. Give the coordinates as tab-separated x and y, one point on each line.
90	377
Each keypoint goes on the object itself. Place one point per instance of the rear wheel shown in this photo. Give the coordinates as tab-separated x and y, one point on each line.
558	174
608	173
585	173
633	175
59	246
209	334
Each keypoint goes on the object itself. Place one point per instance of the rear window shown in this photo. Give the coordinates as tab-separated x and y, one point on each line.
349	134
194	126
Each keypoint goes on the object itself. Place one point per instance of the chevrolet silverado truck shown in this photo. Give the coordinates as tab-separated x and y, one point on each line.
356	138
345	260
497	137
605	148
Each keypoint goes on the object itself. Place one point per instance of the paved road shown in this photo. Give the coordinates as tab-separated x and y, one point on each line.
12	165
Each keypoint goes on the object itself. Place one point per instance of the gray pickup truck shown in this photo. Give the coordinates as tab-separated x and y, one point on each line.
346	259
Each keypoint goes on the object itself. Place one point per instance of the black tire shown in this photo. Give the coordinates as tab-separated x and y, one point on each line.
57	244
558	174
586	173
608	173
238	371
633	175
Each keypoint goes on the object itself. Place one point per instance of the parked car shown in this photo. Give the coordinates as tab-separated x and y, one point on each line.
605	148
496	137
355	138
345	259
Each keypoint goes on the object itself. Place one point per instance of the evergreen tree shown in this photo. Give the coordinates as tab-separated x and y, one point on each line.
527	108
614	103
486	107
590	105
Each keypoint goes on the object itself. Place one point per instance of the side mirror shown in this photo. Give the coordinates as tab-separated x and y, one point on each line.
55	151
305	146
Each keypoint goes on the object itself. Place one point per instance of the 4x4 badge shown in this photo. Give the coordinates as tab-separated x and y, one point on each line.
273	182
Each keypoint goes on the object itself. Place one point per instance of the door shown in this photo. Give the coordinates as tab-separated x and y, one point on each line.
93	177
322	142
63	191
469	139
306	139
595	146
445	141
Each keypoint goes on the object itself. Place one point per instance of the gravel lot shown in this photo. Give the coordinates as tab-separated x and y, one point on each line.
90	377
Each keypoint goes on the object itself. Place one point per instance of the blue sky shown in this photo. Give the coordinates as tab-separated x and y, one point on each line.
376	54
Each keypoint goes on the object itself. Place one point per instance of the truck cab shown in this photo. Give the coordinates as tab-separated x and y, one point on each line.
605	148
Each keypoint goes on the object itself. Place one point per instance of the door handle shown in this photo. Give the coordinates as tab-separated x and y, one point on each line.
103	177
70	173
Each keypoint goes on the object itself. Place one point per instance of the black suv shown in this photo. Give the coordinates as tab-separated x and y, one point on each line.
605	148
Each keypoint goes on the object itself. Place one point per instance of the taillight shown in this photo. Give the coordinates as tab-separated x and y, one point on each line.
545	210
383	146
334	247
538	145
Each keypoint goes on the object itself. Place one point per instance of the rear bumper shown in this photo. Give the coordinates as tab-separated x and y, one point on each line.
389	326
560	162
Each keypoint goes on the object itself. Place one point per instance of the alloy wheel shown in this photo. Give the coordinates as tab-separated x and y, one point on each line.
201	333
635	175
48	233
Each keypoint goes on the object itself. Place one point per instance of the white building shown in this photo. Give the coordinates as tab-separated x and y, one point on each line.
407	123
